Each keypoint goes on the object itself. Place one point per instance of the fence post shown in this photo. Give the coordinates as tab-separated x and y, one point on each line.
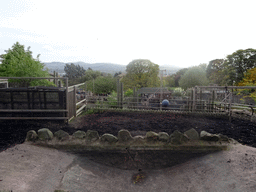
74	101
121	96
118	93
67	108
133	99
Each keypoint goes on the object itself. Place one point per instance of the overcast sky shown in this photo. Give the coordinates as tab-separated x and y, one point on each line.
180	33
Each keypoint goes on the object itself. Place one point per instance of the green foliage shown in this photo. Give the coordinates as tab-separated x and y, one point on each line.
194	76
238	63
19	63
102	85
128	93
111	101
90	75
178	91
141	73
215	72
74	71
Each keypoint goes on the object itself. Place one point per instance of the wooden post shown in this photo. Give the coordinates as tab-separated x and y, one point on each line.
118	93
121	96
67	108
74	101
133	99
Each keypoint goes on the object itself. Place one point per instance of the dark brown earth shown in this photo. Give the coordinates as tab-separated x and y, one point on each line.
14	132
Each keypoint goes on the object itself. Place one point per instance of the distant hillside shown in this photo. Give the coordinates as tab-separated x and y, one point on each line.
102	67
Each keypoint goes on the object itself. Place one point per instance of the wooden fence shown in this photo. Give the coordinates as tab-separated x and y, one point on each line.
46	103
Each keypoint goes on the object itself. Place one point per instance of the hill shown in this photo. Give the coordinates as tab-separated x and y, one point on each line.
102	67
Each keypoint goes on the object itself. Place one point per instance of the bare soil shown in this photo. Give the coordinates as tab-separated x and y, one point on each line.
244	131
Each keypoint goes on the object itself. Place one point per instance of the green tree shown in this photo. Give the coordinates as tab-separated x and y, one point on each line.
74	71
141	73
215	72
238	63
102	85
194	76
90	75
18	62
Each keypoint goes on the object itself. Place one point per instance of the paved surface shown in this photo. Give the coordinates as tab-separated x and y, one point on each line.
31	168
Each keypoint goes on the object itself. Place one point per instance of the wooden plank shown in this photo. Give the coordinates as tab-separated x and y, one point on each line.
12	100
45	103
23	118
80	109
32	110
80	102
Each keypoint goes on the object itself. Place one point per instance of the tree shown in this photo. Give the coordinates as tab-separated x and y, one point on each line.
238	63
178	75
90	75
215	72
74	71
19	63
194	76
102	85
141	73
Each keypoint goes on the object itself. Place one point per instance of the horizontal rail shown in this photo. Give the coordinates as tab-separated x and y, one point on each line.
80	102
36	110
33	77
80	109
21	118
76	85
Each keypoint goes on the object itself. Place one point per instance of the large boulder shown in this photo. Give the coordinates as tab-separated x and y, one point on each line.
31	136
124	136
108	138
61	135
178	138
92	136
152	136
192	134
208	136
163	136
44	134
138	140
79	135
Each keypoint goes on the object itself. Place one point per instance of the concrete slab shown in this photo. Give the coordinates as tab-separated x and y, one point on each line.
31	168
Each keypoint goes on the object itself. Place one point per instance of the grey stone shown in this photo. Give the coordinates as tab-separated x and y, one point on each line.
124	136
163	136
92	136
178	138
192	134
31	136
45	134
223	137
79	135
109	138
208	136
61	135
152	136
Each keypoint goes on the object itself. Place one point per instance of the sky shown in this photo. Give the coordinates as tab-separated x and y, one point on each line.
175	33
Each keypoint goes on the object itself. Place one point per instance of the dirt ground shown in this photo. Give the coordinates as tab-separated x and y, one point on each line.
14	132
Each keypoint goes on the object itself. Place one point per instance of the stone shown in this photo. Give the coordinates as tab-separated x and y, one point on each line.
192	134
61	135
223	137
178	138
124	136
109	138
208	136
163	136
92	136
138	140
79	135
152	136
45	134
31	136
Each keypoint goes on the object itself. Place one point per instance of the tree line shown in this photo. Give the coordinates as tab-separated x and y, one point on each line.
238	68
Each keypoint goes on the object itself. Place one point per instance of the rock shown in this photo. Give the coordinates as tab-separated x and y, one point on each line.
45	134
152	136
163	136
124	136
31	136
109	138
61	135
92	136
192	134
208	136
79	135
223	137
138	140
178	138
